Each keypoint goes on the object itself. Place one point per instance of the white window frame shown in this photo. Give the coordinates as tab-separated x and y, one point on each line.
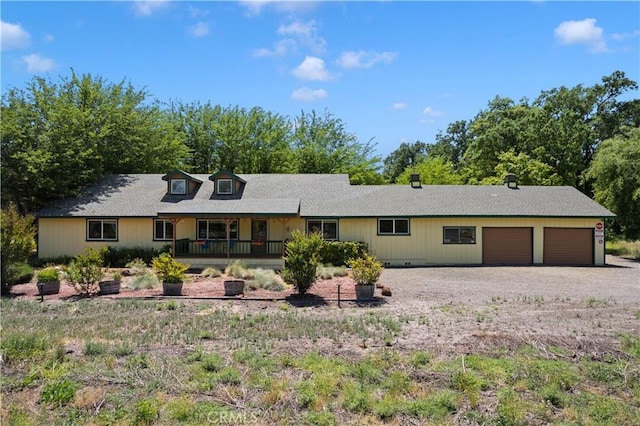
102	222
394	221
226	181
322	230
164	230
459	240
175	190
208	221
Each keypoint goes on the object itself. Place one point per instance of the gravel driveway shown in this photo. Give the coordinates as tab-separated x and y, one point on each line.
464	308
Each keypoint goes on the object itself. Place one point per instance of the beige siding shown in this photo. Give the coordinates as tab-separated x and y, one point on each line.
425	244
67	237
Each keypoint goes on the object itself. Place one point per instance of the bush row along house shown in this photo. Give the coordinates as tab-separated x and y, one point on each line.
213	219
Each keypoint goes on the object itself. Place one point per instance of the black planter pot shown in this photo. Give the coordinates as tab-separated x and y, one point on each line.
365	291
48	287
233	287
172	289
109	287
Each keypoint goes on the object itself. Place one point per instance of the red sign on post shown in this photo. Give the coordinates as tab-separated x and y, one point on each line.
599	226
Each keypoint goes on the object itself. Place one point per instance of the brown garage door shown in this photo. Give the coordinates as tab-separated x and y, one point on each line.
507	246
568	246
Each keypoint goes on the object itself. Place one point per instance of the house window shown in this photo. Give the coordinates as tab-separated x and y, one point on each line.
225	186
178	186
102	229
162	230
393	226
328	228
209	229
459	235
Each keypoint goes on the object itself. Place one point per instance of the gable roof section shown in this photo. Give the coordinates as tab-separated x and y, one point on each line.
181	173
328	196
226	173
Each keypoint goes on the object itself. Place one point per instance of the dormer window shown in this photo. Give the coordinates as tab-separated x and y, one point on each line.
224	186
178	186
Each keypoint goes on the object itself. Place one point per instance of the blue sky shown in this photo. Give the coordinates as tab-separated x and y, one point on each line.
392	71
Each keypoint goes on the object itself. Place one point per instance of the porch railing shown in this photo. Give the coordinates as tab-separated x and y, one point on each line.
236	248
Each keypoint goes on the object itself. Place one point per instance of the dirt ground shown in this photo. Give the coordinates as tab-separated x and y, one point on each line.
462	309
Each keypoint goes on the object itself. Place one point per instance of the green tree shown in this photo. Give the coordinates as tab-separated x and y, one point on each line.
58	137
452	145
321	144
615	171
432	171
18	242
529	170
406	155
302	257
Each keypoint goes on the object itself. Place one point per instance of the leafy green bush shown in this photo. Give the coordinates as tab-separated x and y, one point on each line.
169	269
366	269
50	273
17	242
302	257
19	273
59	393
118	257
338	253
85	271
147	411
39	262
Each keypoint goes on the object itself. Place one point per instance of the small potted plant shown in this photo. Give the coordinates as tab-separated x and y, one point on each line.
171	272
48	281
111	286
366	271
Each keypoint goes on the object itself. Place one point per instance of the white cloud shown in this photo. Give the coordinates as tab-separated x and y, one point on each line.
624	36
308	95
280	48
36	63
149	7
312	68
582	32
13	36
255	7
400	105
200	29
430	112
363	59
197	12
306	34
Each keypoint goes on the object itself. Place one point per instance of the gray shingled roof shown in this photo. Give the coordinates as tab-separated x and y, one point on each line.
322	196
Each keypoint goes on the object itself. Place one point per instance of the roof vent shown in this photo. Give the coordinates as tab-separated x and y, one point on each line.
415	180
511	181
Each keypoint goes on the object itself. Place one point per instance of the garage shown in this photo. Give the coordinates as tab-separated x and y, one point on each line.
568	246
507	246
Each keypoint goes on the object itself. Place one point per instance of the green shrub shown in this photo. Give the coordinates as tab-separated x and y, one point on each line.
137	266
301	260
44	261
327	272
19	273
85	271
435	407
169	269
238	269
50	273
146	281
16	347
211	272
266	279
212	362
338	253
17	242
366	269
118	257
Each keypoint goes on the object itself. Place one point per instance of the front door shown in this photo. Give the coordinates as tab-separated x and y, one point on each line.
258	236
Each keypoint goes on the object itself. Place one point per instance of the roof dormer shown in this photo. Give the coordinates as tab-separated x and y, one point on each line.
181	183
226	183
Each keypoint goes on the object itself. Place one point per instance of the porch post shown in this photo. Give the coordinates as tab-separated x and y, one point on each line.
227	223
174	221
283	221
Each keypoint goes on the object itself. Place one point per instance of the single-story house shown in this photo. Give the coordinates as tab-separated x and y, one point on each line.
212	219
